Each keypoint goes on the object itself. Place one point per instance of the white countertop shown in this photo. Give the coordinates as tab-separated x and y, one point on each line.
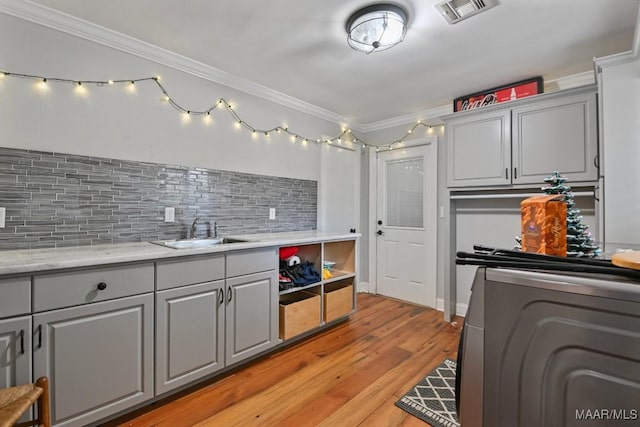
36	260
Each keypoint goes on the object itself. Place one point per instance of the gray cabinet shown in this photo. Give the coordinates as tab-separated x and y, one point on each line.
204	322
525	141
479	149
99	358
15	351
559	134
15	331
251	314
189	334
93	338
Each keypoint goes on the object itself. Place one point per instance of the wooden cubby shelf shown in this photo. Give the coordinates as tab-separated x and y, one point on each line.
306	308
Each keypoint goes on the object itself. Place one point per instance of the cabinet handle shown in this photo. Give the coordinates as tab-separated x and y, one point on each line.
229	294
506	173
39	331
21	341
515	173
221	296
102	286
596	161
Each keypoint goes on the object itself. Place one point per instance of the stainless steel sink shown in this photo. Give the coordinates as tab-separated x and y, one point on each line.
197	243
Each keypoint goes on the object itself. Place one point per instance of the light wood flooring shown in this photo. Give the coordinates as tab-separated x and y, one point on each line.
349	375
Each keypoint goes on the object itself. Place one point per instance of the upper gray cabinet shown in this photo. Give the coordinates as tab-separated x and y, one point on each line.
525	142
479	149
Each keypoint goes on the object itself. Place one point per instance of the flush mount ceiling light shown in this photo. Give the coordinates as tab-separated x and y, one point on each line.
376	27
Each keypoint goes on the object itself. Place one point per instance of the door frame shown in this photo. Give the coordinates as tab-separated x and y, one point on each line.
432	219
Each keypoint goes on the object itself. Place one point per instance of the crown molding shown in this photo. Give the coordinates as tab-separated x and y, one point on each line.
575	80
624	57
32	12
425	115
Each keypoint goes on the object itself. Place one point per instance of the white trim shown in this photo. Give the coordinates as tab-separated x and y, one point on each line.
612	60
425	115
624	57
512	195
575	80
29	11
461	309
363	287
371	230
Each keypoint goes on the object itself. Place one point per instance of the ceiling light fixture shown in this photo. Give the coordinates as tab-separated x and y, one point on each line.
376	27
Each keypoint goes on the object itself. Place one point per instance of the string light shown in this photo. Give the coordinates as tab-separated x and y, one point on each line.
187	114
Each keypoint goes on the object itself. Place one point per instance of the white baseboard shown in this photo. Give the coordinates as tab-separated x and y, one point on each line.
461	309
363	287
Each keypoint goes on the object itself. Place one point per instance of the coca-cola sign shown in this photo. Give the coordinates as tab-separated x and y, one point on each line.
500	94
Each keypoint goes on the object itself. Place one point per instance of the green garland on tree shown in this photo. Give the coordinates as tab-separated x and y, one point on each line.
580	242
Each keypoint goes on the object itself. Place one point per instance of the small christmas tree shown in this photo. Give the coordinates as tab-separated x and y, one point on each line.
580	243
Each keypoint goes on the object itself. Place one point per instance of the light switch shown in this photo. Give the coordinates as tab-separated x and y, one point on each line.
169	214
272	213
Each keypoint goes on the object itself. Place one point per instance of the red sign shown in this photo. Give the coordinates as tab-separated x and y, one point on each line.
500	94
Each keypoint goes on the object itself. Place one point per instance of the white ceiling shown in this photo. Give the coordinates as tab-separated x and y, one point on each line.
299	48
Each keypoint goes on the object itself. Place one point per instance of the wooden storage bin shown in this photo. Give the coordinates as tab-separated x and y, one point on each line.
299	312
338	300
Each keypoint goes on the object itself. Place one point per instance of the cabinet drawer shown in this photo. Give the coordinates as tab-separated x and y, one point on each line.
188	271
239	263
16	296
51	291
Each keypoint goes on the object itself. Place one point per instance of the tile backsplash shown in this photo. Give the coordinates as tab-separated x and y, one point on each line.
55	200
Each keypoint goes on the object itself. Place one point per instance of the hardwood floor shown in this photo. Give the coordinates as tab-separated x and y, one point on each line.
349	375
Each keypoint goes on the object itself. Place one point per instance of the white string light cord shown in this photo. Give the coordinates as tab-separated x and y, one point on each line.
220	103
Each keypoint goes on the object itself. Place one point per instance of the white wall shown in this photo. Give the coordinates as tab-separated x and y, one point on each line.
110	122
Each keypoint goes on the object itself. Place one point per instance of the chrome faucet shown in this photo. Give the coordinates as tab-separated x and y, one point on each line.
193	228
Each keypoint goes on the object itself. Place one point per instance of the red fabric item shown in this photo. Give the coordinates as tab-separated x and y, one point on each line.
288	252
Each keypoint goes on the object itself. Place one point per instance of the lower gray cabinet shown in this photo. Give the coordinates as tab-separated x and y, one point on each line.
15	354
251	315
15	351
189	334
98	357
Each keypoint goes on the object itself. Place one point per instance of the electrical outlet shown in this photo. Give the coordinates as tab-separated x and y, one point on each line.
272	213
3	214
169	214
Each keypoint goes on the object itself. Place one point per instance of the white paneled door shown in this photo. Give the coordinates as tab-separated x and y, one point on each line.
406	224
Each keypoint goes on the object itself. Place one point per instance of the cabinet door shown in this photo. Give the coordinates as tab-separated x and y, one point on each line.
98	357
15	351
479	149
189	334
555	135
251	315
15	354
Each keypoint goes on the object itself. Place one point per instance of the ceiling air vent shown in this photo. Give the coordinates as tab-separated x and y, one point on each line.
456	10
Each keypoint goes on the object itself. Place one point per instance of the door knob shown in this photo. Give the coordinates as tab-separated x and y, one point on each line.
380	233
379	222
